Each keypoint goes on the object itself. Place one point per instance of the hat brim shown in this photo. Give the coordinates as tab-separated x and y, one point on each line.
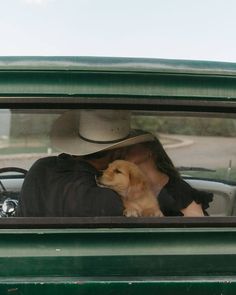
65	138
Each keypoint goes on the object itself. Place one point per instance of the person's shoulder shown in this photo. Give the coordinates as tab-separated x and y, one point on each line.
43	163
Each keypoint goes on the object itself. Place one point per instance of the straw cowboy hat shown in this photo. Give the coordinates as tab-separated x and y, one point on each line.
84	132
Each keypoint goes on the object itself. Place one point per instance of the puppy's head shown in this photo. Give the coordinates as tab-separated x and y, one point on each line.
123	177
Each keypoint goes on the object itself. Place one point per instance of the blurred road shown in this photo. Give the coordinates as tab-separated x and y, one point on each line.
208	152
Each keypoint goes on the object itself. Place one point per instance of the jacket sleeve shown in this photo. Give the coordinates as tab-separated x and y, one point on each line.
30	199
53	190
87	199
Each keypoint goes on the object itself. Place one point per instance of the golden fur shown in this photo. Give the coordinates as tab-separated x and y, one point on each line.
131	184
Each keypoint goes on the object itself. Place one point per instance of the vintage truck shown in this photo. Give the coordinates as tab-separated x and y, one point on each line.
191	107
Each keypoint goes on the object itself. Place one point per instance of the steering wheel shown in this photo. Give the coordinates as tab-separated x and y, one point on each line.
9	206
13	169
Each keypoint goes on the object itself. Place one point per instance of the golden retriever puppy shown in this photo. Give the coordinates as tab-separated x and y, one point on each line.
130	183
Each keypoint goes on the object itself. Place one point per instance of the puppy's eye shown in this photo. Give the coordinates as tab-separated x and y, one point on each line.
117	171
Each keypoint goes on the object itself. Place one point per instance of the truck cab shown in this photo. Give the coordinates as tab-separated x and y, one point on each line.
190	106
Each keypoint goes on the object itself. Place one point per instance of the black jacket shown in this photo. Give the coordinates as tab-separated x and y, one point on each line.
64	186
177	194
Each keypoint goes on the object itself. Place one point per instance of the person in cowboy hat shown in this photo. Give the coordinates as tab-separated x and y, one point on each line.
65	185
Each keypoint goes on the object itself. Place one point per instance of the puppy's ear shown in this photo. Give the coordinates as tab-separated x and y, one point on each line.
137	181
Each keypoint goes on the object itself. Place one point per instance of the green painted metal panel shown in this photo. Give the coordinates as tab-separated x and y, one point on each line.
118	261
118	252
116	77
96	286
116	64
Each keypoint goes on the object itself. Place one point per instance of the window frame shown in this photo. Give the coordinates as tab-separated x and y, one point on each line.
123	222
137	84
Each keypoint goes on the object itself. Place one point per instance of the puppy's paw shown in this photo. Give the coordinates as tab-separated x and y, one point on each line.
131	212
152	212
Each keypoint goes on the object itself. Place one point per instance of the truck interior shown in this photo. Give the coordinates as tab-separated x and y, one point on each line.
201	146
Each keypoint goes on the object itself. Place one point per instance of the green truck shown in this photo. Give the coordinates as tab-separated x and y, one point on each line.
191	107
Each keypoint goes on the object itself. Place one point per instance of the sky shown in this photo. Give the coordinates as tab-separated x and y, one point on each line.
173	29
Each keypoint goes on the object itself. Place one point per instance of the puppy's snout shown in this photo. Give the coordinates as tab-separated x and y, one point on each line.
98	179
99	173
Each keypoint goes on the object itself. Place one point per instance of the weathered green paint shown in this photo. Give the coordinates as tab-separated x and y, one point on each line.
124	261
115	77
61	286
118	252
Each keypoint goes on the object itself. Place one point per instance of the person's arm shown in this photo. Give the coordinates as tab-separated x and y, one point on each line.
30	199
85	198
193	210
105	202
